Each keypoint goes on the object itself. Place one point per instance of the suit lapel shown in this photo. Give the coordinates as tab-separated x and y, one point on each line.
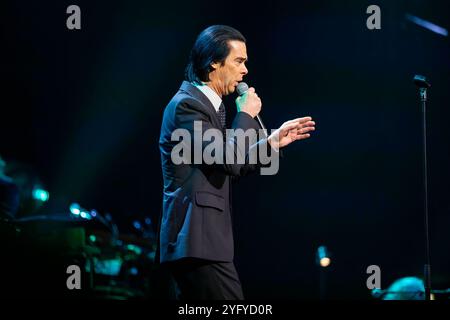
197	94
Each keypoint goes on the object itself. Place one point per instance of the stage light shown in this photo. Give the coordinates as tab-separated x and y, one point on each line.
427	25
75	209
85	215
406	288
323	257
134	271
134	248
41	195
137	225
325	262
92	238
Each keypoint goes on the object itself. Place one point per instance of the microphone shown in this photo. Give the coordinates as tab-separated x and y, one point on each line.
241	89
421	81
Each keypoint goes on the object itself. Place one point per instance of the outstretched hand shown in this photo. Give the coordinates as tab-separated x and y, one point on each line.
290	131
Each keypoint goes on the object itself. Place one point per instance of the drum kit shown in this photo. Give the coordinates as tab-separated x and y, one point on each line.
36	248
114	266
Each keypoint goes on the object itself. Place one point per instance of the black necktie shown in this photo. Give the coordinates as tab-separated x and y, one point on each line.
222	116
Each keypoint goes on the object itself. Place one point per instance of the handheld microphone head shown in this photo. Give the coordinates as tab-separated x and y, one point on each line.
241	88
421	81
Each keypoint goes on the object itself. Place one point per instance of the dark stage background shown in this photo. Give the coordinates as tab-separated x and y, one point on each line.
83	108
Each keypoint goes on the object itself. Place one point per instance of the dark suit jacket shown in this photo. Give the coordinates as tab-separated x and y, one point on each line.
196	210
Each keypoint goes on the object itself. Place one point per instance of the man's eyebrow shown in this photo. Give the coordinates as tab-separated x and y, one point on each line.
241	59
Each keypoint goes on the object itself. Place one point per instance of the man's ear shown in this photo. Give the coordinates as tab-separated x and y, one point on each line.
215	65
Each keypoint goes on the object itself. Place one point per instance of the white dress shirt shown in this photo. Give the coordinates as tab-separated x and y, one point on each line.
211	94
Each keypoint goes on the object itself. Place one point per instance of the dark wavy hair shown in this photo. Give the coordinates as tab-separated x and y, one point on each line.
210	47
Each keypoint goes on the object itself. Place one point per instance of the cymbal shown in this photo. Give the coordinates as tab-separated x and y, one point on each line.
59	219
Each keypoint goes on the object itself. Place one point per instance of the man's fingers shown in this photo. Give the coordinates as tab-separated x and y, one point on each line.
299	120
300	129
305	129
292	121
302	136
289	126
307	124
305	119
310	124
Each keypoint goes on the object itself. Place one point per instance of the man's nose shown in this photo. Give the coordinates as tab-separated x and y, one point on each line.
244	70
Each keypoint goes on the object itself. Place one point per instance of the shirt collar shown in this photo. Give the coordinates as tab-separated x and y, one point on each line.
210	94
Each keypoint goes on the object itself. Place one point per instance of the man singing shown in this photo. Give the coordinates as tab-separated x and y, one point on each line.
196	237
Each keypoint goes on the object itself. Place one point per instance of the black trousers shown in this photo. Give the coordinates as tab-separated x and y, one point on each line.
199	279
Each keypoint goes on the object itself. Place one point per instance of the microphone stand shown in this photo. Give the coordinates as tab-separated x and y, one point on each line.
423	84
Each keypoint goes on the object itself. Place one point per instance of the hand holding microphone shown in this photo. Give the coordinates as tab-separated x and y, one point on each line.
249	102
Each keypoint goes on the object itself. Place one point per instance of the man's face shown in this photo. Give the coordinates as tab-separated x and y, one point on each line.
226	76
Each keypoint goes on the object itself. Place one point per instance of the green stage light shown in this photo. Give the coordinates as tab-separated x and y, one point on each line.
41	195
323	257
75	209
